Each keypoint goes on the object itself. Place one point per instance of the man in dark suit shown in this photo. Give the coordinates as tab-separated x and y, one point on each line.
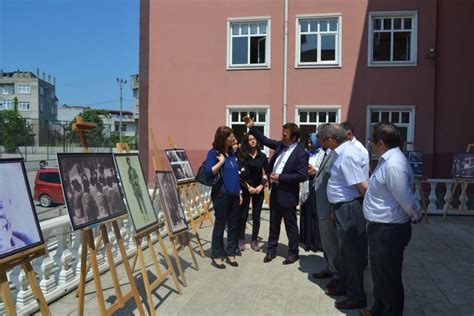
287	168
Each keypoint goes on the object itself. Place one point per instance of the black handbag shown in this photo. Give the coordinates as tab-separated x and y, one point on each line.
202	177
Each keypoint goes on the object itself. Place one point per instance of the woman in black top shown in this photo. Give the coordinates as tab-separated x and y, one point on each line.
252	165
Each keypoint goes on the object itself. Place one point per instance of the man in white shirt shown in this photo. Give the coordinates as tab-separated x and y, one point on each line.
350	136
389	207
346	189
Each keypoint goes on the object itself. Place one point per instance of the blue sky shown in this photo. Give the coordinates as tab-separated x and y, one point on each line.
85	44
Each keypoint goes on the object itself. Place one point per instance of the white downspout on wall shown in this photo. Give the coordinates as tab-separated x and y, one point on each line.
285	63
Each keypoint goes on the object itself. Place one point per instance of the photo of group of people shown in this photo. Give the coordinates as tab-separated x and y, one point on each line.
415	158
180	164
91	188
463	165
19	227
136	192
174	213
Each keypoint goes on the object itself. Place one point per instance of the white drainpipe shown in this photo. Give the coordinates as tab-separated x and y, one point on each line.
285	63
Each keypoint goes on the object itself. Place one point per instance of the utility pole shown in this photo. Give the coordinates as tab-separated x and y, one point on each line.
121	83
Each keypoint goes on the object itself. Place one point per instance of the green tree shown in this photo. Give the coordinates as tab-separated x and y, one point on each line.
95	137
13	130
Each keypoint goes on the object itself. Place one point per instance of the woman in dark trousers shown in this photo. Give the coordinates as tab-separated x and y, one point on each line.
226	201
252	163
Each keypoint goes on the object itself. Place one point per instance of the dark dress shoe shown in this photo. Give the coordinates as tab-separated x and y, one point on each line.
332	284
268	258
218	266
335	291
232	263
349	304
290	259
322	275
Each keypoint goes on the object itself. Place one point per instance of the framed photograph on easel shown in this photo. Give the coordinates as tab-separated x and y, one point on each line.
19	225
172	208
463	166
91	190
135	190
415	158
180	165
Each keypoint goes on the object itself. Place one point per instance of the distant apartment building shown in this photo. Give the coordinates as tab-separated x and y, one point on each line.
209	63
112	118
135	85
37	101
69	112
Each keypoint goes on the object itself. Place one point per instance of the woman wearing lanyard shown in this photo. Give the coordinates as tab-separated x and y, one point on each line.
226	202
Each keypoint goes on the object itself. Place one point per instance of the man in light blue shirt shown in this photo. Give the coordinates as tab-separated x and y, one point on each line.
389	207
345	190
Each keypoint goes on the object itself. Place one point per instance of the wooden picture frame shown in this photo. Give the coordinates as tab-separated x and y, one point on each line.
88	174
24	230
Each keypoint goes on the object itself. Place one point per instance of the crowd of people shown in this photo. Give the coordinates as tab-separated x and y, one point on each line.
355	216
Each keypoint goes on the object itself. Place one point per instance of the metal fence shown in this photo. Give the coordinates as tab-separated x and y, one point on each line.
36	140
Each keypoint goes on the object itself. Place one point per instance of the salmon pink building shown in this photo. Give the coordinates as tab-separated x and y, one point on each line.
206	63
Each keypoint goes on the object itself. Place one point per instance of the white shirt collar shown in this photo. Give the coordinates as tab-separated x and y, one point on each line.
341	147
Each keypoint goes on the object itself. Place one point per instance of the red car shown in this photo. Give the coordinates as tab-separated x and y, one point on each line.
48	187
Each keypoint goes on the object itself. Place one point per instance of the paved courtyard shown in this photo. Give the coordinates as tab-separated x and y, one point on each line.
438	276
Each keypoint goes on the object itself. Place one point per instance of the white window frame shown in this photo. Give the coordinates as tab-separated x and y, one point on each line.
251	108
414	39
258	19
6	104
7	91
319	64
24	89
24	106
316	108
393	108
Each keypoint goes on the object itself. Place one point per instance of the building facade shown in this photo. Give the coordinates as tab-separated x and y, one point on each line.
37	101
210	63
112	119
68	113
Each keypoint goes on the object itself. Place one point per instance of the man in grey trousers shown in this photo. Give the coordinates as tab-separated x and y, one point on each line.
326	222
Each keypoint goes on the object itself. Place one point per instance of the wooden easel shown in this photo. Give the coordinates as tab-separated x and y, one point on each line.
162	276
159	166
88	246
191	189
122	147
24	259
461	182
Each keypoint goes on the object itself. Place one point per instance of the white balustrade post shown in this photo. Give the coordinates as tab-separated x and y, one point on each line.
25	294
66	274
48	282
432	197
78	248
447	196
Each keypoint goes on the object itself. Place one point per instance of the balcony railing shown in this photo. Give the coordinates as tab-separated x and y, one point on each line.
59	271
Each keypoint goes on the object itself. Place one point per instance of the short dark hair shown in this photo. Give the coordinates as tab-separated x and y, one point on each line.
388	133
348	127
222	133
294	130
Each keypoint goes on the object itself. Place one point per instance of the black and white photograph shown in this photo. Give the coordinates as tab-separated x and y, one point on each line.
180	165
463	165
168	192
135	190
19	226
91	189
415	158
